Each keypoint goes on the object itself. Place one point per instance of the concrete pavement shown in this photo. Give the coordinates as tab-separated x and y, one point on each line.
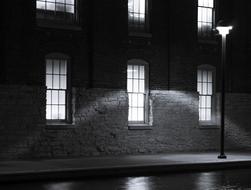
59	169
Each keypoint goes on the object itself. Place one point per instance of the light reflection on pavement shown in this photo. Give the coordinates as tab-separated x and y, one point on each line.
219	180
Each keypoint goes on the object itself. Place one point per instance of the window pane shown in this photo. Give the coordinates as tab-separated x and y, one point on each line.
70	2
40	5
50	6
142	7
210	88
63	68
203	101
204	88
134	100
136	5
63	82
60	1
204	76
134	114
135	86
135	72
69	9
140	114
55	81
129	85
200	87
60	7
48	97
203	115
56	67
49	66
54	97
130	5
142	72
54	112
208	114
49	81
129	114
209	102
61	114
129	71
130	99
210	76
48	112
142	86
141	100
62	97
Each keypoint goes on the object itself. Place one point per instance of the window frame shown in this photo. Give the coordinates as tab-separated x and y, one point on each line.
68	92
209	35
132	28
146	122
213	122
58	16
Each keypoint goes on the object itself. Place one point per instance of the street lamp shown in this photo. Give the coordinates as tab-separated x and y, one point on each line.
224	28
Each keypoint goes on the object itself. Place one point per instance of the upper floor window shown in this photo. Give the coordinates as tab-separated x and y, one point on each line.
205	87
137	88
138	15
56	9
206	18
57	93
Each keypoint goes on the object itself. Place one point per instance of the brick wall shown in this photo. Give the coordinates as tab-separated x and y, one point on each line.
100	125
22	110
238	110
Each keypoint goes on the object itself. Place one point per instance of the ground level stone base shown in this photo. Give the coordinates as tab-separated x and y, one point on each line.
101	128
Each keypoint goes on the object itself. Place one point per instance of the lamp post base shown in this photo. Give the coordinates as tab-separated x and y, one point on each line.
222	156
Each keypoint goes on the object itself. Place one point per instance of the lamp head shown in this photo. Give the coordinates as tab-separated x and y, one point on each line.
224	27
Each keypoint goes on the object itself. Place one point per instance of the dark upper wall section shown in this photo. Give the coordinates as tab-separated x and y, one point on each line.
99	45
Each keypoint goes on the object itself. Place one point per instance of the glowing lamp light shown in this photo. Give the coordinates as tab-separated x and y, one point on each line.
224	30
224	27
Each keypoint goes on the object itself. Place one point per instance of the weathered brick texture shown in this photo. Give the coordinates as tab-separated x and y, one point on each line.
22	112
101	128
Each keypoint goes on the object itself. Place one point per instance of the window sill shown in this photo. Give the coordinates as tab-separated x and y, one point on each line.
139	127
59	126
140	34
44	23
208	41
208	126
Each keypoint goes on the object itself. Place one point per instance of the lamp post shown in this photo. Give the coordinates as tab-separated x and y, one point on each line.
224	29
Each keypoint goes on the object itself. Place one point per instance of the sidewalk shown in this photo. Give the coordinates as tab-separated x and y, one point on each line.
122	165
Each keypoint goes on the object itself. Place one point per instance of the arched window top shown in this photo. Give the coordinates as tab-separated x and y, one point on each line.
137	62
57	56
206	67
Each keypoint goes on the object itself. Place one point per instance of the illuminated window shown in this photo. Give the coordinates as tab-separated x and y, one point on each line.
205	17
137	93
56	93
205	87
138	14
57	5
56	9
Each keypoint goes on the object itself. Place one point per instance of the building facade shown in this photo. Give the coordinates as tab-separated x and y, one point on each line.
116	77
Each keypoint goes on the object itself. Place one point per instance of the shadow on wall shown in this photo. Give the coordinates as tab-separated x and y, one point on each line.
238	136
21	121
